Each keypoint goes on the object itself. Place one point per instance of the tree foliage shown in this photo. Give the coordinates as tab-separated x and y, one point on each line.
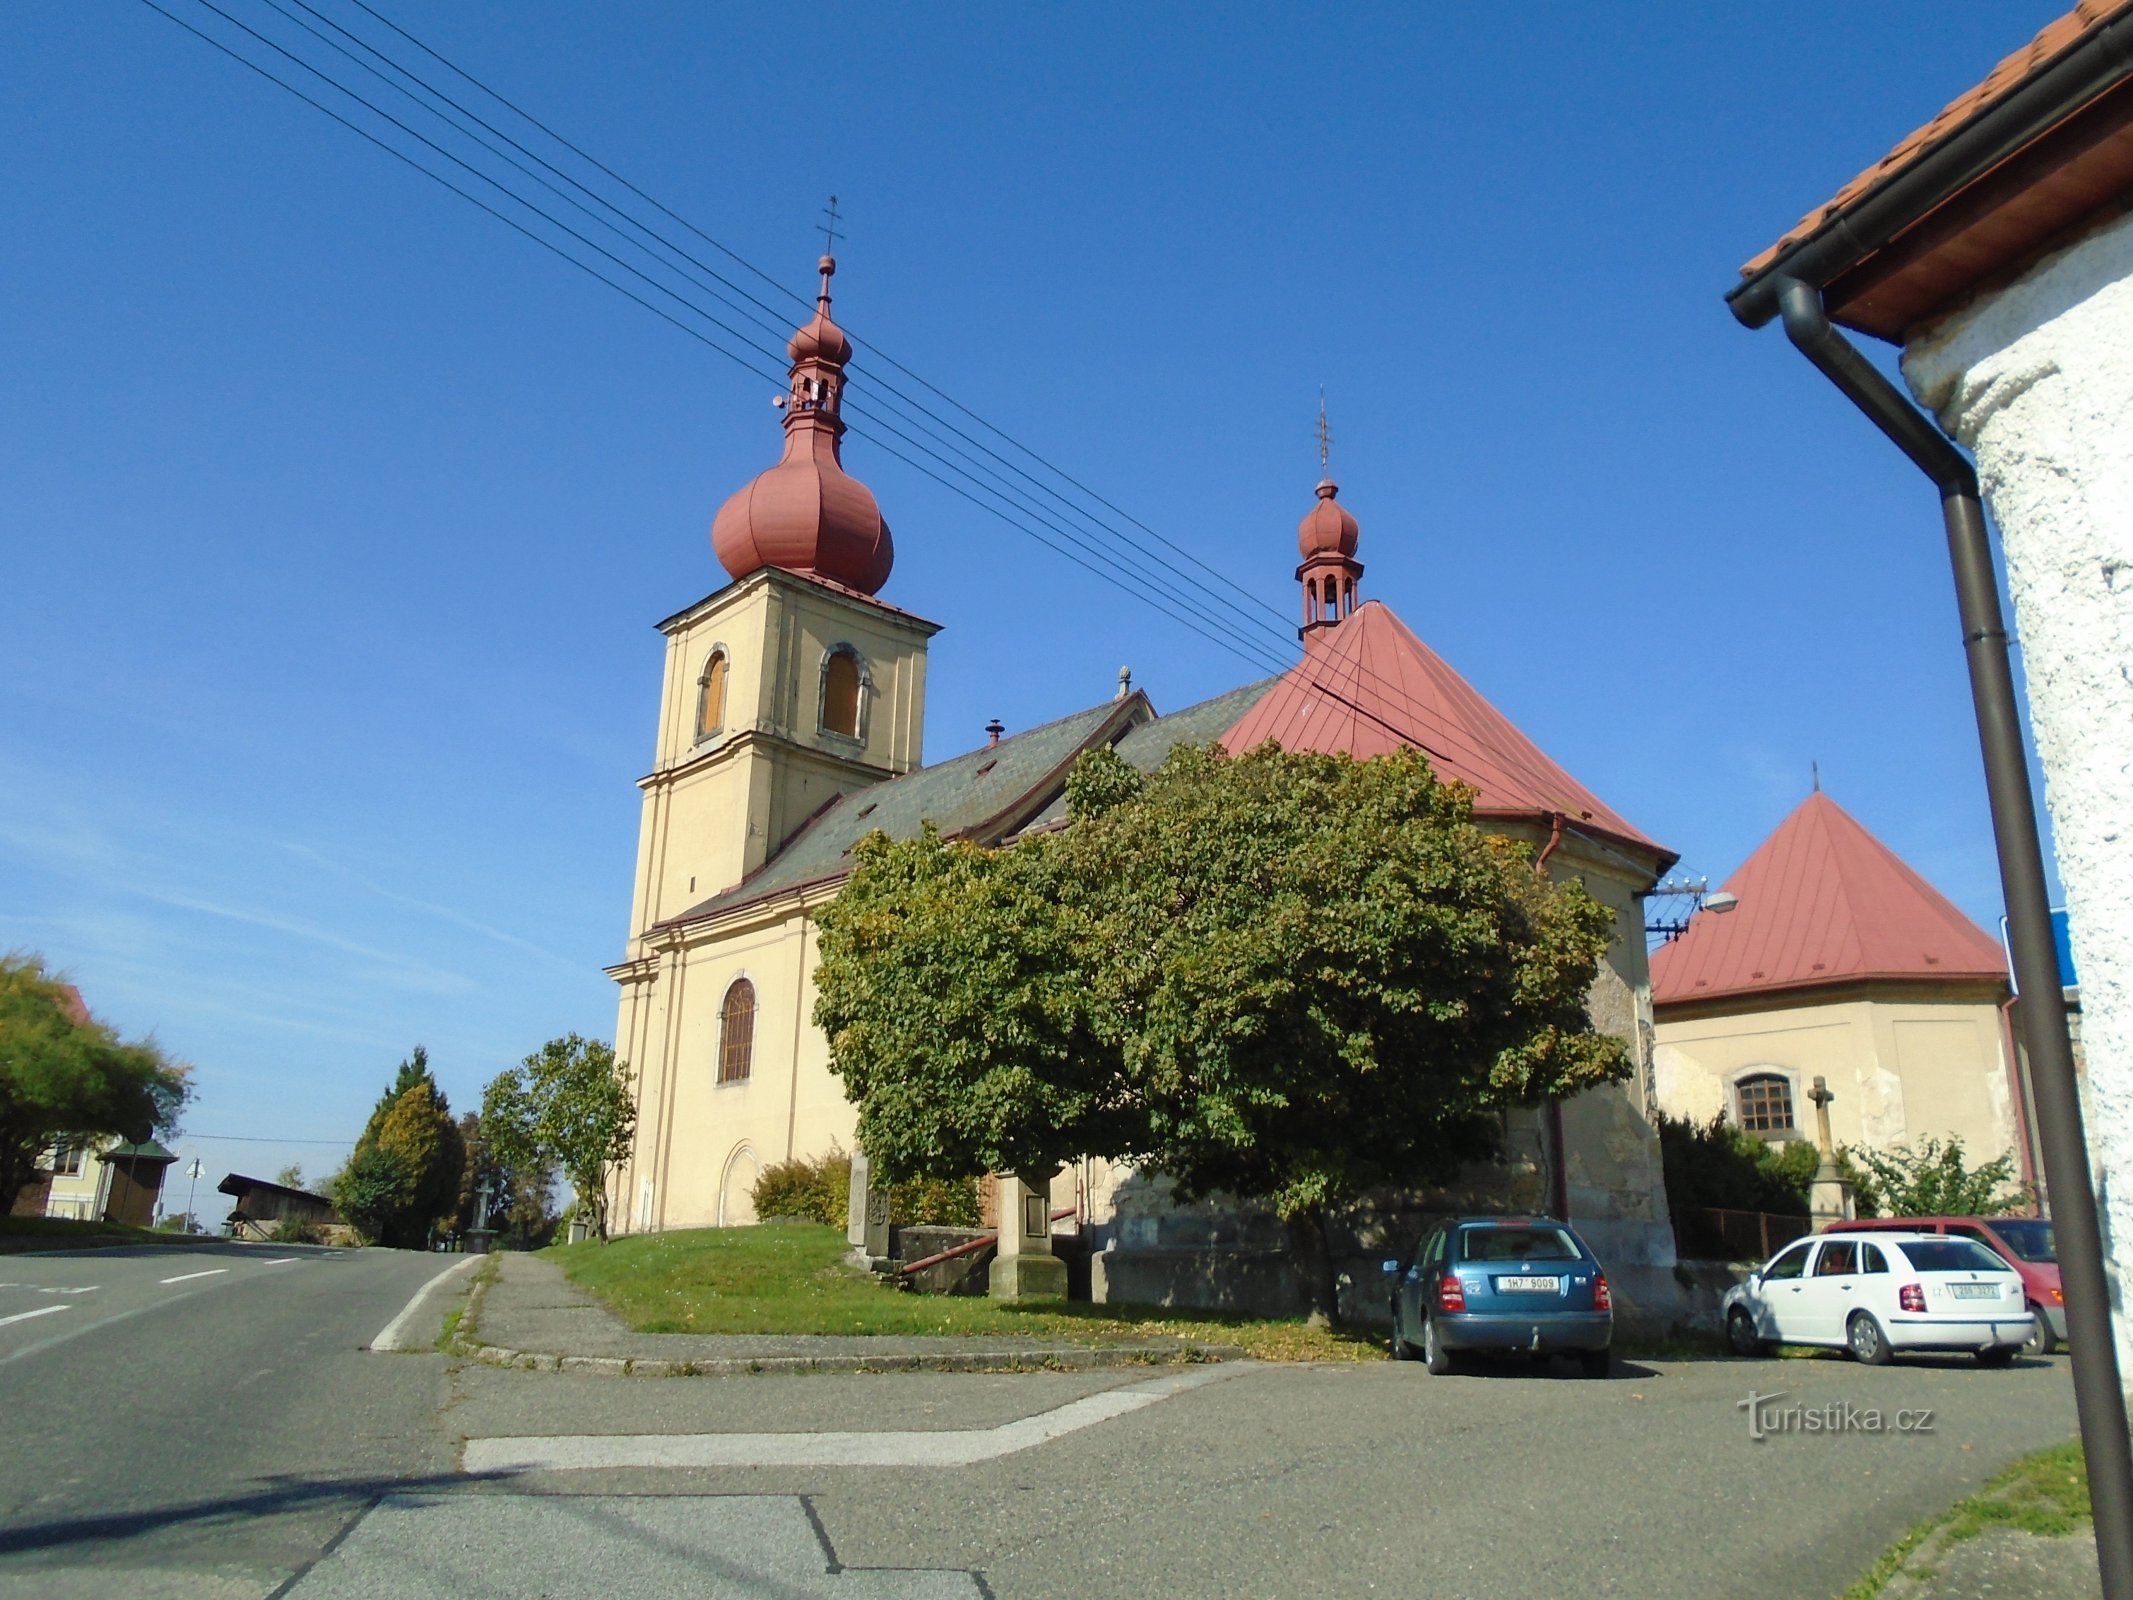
403	1179
521	1207
1716	1165
64	1074
1934	1179
1292	977
567	1105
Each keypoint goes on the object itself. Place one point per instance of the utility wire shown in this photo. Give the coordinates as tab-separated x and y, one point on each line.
1153	598
774	283
1199	621
703	275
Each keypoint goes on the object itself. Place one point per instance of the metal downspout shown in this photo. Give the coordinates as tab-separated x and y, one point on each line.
2098	1396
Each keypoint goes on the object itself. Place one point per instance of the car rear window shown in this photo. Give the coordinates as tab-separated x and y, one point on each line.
1518	1244
1951	1255
2031	1240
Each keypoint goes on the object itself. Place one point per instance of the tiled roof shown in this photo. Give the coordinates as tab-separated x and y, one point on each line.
1823	901
966	793
2051	42
1368	686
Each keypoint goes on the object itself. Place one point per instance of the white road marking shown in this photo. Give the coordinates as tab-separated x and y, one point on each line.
187	1277
24	1316
956	1448
396	1334
89	1288
278	1261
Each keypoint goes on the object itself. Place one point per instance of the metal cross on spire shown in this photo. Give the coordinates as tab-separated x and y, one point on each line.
829	228
1325	434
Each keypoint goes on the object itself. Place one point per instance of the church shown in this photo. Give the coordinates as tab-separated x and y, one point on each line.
791	718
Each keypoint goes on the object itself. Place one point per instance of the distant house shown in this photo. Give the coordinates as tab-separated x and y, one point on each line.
97	1180
262	1205
1840	962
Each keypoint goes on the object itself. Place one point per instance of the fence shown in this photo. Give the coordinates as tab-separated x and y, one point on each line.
1712	1233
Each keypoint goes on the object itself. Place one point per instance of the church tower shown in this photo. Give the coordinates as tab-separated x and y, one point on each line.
793	684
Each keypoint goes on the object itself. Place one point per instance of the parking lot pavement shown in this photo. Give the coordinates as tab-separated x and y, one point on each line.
1350	1480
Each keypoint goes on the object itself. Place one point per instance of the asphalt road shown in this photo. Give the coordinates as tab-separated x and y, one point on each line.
198	1422
1332	1481
225	1436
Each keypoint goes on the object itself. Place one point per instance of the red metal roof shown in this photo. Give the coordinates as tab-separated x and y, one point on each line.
1368	686
2051	41
1823	901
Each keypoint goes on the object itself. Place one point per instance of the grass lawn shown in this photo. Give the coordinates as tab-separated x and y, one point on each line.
793	1278
2047	1493
19	1235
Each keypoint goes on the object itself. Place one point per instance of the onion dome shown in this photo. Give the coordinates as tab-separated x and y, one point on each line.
807	514
1327	529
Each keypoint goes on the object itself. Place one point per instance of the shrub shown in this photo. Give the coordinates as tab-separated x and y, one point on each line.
818	1188
1716	1165
1934	1180
935	1202
295	1230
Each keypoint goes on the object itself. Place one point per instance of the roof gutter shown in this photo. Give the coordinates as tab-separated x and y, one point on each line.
2099	1401
2092	64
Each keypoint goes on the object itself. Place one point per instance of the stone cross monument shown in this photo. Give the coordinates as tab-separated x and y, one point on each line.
1829	1199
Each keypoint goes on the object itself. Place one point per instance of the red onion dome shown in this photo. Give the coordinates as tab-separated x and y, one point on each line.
1327	529
821	339
806	514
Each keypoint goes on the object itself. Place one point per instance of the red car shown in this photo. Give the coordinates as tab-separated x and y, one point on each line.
2024	1243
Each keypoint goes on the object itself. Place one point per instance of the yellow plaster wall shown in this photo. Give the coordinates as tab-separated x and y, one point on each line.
1900	1069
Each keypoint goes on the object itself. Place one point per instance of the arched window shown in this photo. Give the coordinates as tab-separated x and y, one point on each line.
1763	1102
736	1032
844	693
711	696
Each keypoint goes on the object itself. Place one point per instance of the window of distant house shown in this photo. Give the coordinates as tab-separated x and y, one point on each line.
66	1159
736	1032
1764	1103
844	693
711	696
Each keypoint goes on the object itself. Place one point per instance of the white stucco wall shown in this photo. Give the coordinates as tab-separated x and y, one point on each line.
2036	380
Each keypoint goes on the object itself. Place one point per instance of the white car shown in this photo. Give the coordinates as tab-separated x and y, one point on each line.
1876	1294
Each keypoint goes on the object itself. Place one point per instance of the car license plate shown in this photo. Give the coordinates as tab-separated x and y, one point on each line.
1974	1291
1529	1285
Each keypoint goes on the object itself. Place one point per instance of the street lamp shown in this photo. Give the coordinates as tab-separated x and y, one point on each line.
1668	923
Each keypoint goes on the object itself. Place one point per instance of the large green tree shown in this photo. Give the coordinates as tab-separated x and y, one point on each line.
402	1181
63	1073
1289	977
567	1106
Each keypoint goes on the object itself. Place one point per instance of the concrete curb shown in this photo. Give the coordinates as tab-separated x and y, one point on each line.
979	1360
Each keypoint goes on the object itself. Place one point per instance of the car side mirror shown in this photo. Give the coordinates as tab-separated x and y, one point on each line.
1392	1269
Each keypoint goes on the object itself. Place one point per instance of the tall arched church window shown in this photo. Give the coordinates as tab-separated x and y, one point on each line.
736	1033
844	693
711	696
1763	1103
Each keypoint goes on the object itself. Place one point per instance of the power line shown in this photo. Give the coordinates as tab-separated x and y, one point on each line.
1193	610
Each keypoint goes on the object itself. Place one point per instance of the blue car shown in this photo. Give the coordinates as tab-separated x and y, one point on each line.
1505	1285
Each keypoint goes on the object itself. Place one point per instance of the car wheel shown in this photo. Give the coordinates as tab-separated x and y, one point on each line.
1999	1355
2041	1341
1401	1349
1741	1334
1434	1356
1869	1345
1594	1363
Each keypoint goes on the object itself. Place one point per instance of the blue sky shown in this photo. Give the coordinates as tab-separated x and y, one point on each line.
334	516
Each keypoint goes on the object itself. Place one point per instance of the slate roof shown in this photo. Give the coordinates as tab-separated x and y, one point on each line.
1823	901
1368	686
1147	744
2051	42
963	794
